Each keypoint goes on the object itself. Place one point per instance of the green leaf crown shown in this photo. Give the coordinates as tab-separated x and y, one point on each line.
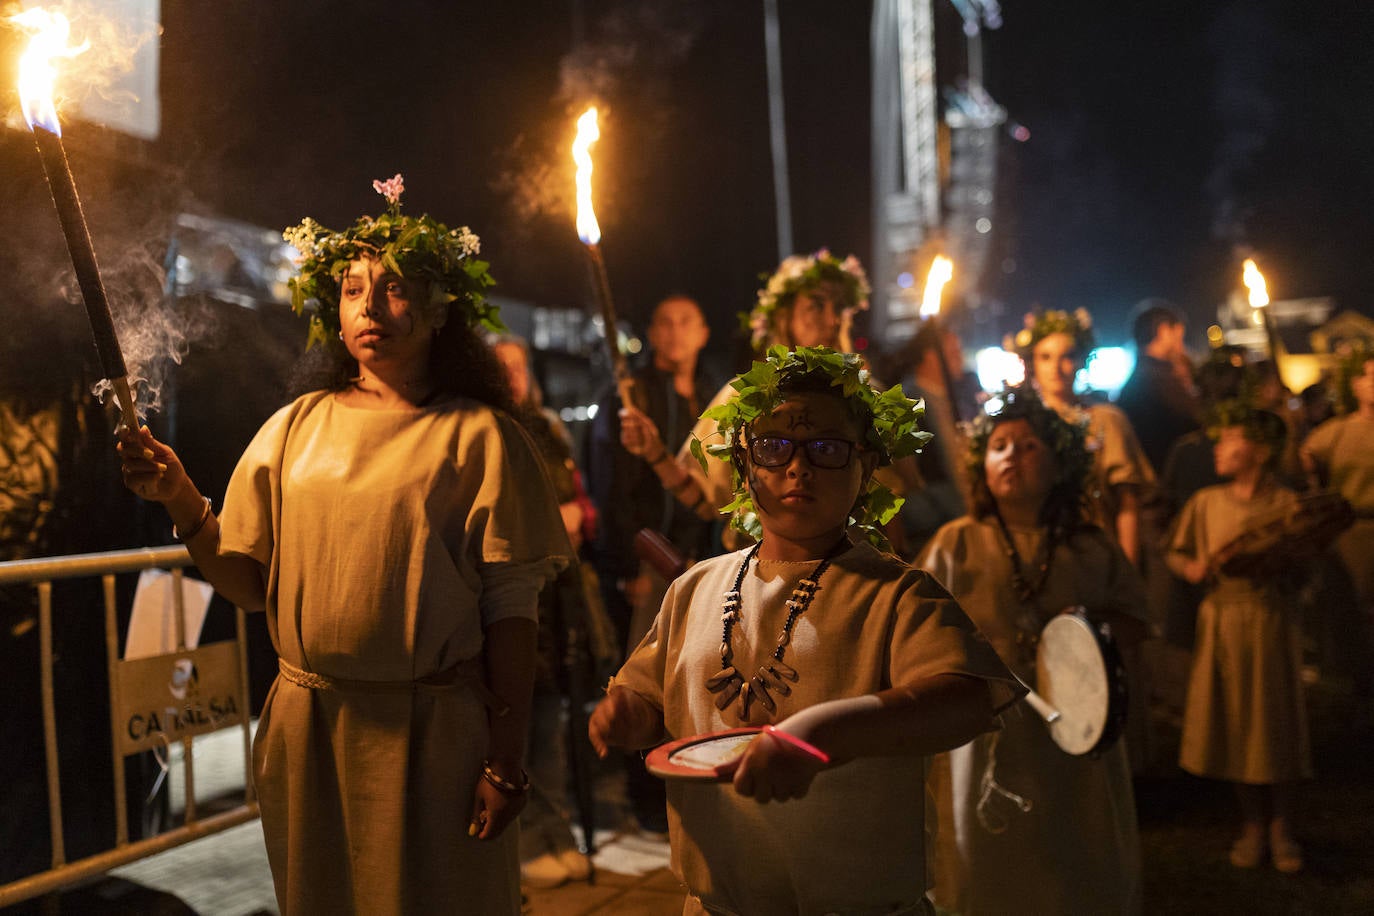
800	272
414	247
889	420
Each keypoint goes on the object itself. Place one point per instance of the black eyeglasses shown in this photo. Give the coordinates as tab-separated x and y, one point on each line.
776	451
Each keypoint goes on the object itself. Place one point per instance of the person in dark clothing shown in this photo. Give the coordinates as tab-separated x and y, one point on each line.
1158	401
630	497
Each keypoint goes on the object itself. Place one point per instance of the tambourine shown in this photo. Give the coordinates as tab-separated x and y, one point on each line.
1082	692
702	758
1286	535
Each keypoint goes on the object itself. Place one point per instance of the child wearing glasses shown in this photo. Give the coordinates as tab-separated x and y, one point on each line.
857	666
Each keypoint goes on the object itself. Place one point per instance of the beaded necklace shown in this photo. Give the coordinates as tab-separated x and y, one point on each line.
773	674
1029	624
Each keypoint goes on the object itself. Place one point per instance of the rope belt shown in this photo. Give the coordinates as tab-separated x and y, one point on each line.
464	675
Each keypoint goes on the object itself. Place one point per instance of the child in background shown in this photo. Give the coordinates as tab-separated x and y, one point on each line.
1244	719
858	665
1024	554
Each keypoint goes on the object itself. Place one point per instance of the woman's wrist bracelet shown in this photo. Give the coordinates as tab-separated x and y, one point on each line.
505	786
194	529
662	457
805	747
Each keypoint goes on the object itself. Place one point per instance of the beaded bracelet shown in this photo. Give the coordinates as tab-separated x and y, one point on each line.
195	529
505	786
805	747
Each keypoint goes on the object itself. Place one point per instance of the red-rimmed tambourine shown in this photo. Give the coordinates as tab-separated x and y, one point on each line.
704	758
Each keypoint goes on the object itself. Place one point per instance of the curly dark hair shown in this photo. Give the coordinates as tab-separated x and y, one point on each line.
460	363
1066	506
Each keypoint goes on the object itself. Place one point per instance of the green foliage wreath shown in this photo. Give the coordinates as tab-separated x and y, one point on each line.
413	247
889	420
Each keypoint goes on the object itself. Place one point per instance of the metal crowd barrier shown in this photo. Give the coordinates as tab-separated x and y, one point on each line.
41	573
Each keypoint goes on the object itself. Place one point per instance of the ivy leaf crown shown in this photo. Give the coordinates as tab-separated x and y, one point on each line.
799	272
889	420
1041	323
413	247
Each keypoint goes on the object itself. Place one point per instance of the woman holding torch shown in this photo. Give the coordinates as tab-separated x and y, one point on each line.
396	527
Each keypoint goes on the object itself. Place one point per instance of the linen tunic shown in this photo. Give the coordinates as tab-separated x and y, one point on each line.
376	528
1244	719
1344	448
1118	460
855	843
1077	850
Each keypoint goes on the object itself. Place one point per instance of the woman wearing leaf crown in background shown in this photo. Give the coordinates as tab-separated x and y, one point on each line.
396	526
1012	802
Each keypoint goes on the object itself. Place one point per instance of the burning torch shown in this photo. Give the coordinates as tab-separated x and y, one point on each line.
1259	303
37	75
940	273
589	231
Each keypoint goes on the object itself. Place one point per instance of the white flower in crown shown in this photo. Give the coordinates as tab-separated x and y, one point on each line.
467	240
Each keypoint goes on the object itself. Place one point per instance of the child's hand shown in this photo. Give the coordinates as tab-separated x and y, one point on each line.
624	719
774	769
1195	570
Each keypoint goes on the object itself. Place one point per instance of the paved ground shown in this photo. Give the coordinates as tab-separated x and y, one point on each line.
1186	828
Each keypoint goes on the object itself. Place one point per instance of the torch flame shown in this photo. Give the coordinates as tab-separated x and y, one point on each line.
587	133
1254	282
37	75
941	270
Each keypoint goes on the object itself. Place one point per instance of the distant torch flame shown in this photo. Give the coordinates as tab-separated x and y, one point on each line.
941	270
1254	282
587	134
37	75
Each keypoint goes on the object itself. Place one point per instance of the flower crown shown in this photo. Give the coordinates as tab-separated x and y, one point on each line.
1351	356
420	248
889	420
1067	440
1041	323
796	273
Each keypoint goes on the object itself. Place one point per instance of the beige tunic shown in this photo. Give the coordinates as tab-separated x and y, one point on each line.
855	843
377	528
1344	449
1118	461
1244	720
1077	850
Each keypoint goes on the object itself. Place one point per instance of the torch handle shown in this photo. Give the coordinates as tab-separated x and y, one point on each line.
69	213
951	395
620	367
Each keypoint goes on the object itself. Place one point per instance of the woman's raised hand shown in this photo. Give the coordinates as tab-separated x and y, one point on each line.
639	435
150	468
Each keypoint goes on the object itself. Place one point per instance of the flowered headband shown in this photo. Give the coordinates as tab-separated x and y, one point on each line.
1041	323
889	419
798	272
1351	356
419	248
1067	440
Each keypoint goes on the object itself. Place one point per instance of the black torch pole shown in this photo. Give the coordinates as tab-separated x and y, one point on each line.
73	220
620	368
946	373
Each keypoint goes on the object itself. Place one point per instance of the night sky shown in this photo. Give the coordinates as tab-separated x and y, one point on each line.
1162	136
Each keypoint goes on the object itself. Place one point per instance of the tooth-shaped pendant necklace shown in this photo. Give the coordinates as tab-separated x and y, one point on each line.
774	676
